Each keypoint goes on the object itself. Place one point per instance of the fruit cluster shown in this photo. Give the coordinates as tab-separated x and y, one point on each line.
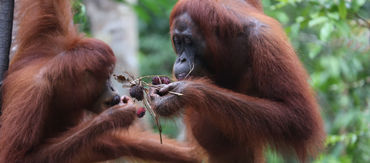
160	80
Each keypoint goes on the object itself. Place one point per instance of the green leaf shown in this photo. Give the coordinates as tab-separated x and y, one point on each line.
342	9
333	15
315	49
342	28
356	4
142	14
151	5
317	21
331	64
282	17
299	19
326	31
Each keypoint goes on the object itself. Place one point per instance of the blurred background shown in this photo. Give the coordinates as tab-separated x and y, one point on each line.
331	37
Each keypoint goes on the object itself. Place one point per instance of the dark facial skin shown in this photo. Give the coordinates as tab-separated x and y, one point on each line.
189	46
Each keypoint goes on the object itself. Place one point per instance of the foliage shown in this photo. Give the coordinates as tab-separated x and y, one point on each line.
80	16
156	54
332	38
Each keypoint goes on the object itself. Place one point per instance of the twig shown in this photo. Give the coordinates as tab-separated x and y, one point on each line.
129	80
156	117
363	19
176	93
191	70
147	76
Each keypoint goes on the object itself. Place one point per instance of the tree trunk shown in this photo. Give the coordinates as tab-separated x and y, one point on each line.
6	25
116	24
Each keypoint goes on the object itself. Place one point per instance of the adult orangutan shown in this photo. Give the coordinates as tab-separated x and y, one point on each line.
55	76
247	89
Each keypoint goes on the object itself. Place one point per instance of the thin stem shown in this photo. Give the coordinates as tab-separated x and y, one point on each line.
191	70
156	117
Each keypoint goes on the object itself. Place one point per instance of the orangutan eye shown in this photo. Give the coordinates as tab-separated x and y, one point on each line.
176	40
187	40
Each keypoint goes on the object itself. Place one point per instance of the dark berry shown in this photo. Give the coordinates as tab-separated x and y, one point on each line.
125	100
140	112
156	80
160	80
165	80
137	92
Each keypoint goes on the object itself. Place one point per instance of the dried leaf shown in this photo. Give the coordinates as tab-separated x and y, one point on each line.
120	78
